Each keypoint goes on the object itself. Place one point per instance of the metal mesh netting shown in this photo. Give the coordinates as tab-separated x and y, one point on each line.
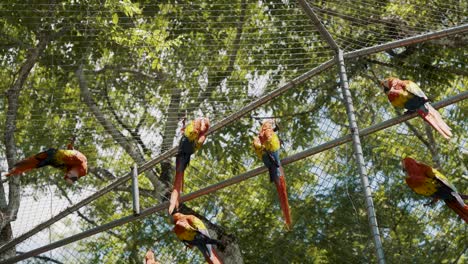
143	67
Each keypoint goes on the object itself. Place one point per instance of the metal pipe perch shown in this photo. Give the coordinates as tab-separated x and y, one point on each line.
135	191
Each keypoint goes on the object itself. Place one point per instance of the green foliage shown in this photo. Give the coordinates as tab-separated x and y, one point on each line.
138	56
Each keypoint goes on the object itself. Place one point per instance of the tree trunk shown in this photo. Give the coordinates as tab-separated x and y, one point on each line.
9	210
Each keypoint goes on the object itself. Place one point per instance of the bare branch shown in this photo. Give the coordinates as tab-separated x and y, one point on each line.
434	149
46	259
102	173
121	69
457	71
85	218
133	132
111	129
217	79
418	135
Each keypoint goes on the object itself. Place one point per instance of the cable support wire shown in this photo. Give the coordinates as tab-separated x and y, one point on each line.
359	10
242	177
363	16
260	101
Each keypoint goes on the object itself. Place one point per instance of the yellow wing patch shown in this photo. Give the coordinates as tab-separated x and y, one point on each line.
62	154
198	224
257	147
188	235
428	188
273	143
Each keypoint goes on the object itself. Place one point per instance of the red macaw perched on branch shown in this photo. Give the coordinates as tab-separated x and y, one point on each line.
267	146
73	162
427	181
192	140
149	258
407	94
191	230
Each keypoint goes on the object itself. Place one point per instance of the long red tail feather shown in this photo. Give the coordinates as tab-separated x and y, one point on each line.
462	211
178	187
25	165
435	120
215	259
283	198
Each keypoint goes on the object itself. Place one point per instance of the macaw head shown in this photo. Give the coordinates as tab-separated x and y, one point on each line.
73	174
205	124
176	215
267	124
202	124
149	257
387	84
411	166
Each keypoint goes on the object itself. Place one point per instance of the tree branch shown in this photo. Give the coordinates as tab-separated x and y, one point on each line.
102	173
445	69
111	129
216	80
85	218
434	149
47	259
133	132
121	69
418	135
230	241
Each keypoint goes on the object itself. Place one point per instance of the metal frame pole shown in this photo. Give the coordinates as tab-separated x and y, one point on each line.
352	126
135	191
226	183
360	158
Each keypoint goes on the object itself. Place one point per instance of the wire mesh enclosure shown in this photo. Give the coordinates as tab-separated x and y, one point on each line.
123	77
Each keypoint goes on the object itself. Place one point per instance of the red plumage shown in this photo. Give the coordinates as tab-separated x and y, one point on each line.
27	164
427	181
462	211
72	162
283	198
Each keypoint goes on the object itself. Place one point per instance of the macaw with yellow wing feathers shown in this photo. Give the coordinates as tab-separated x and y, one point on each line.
73	162
407	94
192	140
427	181
192	232
267	146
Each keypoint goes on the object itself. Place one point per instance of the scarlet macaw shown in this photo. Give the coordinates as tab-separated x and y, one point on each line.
192	140
407	94
267	146
427	181
192	232
73	162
